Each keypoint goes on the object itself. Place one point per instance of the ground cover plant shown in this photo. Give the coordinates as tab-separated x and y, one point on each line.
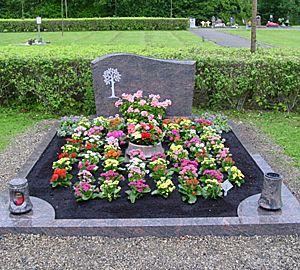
277	37
195	149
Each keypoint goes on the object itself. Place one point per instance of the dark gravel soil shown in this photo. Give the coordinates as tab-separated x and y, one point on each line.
66	207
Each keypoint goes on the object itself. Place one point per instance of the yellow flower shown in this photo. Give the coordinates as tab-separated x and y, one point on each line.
111	162
173	126
137	135
175	147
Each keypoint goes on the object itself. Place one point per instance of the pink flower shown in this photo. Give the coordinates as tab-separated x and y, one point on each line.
150	117
131	128
142	102
128	97
144	113
91	167
130	109
154	103
85	186
77	192
138	94
154	96
118	103
136	110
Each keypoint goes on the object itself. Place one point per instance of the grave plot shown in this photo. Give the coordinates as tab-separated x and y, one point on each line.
202	180
210	168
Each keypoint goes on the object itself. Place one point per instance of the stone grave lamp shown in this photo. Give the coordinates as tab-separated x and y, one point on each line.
19	200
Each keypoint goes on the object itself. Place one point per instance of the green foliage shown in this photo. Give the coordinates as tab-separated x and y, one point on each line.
94	24
59	79
237	79
280	9
200	9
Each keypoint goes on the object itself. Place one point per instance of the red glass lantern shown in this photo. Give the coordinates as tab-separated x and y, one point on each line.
19	196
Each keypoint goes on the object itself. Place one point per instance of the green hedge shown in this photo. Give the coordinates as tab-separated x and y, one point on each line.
59	79
94	24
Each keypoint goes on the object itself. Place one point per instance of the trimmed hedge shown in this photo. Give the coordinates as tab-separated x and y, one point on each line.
94	24
59	79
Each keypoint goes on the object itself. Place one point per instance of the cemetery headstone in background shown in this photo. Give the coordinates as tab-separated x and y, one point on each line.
115	74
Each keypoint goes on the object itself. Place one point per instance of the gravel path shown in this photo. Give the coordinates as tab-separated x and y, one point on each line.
226	39
48	252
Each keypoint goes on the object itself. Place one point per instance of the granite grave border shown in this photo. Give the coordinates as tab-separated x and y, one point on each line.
251	220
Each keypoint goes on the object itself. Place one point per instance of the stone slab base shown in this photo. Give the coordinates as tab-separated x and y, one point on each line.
251	219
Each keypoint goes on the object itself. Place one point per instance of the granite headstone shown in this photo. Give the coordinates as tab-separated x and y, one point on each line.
115	74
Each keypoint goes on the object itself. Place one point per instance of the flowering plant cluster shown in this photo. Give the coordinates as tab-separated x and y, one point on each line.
68	124
142	109
176	154
109	185
61	177
188	181
112	156
212	183
144	133
85	189
136	176
161	175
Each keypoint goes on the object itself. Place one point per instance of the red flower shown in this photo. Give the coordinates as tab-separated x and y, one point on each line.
73	155
72	141
89	146
54	177
63	155
60	172
150	126
145	135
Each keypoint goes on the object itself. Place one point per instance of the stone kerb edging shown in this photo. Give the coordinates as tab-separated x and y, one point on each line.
251	220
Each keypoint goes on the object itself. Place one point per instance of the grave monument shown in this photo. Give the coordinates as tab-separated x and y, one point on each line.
119	73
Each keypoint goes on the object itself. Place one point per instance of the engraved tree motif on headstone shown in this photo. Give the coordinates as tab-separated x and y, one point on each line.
111	76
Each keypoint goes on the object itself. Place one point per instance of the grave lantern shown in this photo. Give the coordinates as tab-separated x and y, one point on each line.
270	198
19	202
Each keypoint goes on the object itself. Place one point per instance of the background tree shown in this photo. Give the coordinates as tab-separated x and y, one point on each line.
199	9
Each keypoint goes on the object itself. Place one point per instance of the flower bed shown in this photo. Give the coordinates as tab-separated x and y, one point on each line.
196	161
195	152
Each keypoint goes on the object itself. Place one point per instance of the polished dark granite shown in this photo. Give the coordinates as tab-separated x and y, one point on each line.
171	79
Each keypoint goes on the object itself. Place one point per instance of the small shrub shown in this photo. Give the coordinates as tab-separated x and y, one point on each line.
94	24
59	79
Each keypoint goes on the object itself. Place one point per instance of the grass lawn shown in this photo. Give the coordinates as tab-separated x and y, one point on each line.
277	37
283	128
13	122
172	39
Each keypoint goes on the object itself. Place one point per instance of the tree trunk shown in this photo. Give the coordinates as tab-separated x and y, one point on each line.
62	17
253	26
66	7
